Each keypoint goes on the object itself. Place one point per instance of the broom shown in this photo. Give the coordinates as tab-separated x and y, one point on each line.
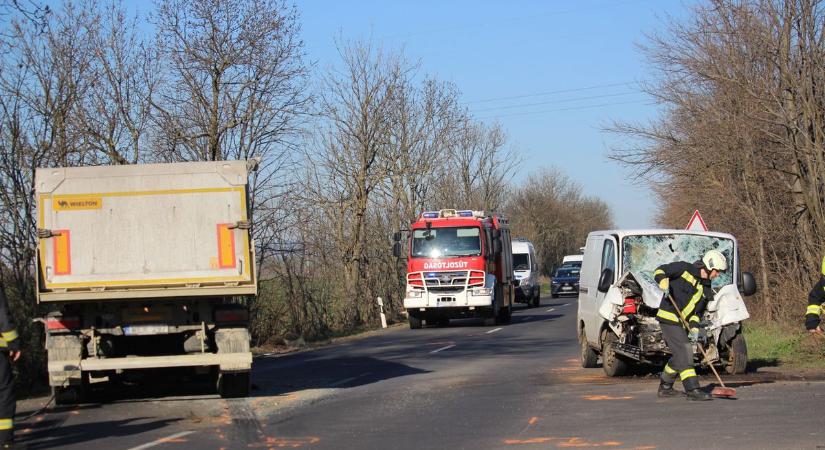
719	391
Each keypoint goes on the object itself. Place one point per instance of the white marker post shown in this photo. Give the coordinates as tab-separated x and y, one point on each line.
383	316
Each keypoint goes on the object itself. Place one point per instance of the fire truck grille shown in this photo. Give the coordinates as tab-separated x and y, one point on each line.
447	289
440	279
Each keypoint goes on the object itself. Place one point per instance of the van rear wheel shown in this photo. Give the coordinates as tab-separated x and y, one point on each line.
588	356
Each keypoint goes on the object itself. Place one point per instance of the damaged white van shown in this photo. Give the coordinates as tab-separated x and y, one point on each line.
618	299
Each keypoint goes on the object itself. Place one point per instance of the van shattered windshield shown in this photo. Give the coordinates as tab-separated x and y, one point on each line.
446	242
643	254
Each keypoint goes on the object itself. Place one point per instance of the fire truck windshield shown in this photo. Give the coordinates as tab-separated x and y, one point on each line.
446	242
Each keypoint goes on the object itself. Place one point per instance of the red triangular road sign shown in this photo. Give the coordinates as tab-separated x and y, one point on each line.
696	223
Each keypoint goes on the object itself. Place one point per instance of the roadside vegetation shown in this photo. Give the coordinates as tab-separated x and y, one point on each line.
784	347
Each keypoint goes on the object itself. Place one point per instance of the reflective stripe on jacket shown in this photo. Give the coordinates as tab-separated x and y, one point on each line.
684	283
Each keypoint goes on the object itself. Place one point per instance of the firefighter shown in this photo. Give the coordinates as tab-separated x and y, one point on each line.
10	345
815	300
689	285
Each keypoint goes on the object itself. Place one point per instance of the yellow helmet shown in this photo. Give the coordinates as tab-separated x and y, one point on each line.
715	260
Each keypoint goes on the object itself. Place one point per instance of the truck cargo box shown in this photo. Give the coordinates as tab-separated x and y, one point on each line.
144	231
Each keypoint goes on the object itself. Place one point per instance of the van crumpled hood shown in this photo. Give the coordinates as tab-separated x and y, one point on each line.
651	295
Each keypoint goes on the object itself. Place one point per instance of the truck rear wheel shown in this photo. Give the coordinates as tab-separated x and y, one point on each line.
70	395
737	355
234	385
613	364
415	322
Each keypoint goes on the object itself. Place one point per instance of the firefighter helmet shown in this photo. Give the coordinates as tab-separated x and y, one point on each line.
715	260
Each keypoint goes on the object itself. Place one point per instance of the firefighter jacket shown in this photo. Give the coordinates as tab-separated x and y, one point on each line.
815	300
684	283
8	332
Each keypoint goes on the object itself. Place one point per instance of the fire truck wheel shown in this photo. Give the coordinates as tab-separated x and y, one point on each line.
415	322
504	316
443	321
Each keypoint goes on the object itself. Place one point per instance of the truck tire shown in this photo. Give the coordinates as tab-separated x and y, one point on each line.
737	355
443	321
234	385
70	395
588	356
613	364
415	322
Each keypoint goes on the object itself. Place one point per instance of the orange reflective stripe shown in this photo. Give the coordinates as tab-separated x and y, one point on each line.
62	253
226	246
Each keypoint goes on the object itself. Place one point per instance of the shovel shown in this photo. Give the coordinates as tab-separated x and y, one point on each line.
719	391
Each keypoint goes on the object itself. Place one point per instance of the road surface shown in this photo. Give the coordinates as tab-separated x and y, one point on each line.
467	386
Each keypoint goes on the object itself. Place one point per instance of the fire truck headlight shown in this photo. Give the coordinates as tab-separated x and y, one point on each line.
414	294
482	291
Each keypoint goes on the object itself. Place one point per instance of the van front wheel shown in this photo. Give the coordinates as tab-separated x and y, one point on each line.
613	364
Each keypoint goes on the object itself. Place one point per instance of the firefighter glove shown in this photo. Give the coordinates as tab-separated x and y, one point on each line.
811	322
694	335
702	337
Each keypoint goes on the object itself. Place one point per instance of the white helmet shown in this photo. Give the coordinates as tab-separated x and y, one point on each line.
714	259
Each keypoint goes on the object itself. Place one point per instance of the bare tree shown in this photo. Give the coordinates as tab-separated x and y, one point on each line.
743	136
114	116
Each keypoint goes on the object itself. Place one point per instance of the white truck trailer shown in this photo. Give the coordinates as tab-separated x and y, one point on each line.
145	267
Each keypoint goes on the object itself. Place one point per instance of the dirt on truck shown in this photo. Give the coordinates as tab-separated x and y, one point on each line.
145	267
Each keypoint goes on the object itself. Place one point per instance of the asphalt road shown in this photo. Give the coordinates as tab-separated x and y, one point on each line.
467	386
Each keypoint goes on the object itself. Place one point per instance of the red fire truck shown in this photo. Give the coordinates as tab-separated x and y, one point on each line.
459	265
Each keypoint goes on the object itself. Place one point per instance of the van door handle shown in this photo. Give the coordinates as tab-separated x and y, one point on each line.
583	289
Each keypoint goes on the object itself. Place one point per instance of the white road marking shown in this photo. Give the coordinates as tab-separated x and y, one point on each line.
163	440
565	304
492	331
347	380
551	309
443	348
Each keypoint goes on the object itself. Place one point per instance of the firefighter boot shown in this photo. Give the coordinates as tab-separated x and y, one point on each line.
666	390
698	395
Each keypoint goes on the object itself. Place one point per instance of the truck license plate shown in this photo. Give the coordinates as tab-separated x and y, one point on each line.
141	330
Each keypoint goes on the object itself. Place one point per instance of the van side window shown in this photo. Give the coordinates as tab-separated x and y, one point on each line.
608	256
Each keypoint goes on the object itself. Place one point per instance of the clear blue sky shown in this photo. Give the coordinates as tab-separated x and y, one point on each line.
495	49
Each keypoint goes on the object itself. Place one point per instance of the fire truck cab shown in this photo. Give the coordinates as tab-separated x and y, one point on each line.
459	265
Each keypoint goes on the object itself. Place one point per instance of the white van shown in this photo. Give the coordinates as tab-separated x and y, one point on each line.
572	260
526	269
618	298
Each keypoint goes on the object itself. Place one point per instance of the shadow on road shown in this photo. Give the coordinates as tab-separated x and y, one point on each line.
321	373
51	434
